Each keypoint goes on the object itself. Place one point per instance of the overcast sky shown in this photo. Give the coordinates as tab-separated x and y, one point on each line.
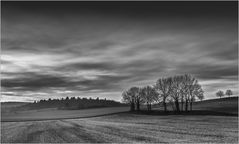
57	49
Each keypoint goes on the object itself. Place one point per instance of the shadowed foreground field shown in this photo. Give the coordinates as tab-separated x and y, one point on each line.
125	127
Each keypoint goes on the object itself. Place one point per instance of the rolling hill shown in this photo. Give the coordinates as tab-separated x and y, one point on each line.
228	105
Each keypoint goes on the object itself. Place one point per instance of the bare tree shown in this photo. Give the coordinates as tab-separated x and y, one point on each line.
177	87
229	92
184	88
184	91
197	93
139	98
200	97
163	86
133	96
129	98
136	92
220	93
190	83
171	103
149	95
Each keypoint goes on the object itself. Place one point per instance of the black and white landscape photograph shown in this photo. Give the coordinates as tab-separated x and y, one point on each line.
119	72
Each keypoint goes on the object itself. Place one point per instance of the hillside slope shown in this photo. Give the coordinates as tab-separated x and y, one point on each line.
224	105
228	105
7	107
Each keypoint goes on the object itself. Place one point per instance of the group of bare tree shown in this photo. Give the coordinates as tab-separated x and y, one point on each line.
221	93
180	91
136	96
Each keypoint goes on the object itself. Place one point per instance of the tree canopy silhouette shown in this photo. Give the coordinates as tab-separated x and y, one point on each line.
184	89
229	93
73	103
220	93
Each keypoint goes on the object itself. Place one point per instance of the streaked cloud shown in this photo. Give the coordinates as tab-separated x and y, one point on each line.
95	50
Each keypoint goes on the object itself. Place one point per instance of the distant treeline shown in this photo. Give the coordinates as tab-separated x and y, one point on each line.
73	103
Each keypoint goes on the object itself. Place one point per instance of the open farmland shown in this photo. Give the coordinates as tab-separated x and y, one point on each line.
125	128
225	105
116	125
119	72
228	105
10	106
53	113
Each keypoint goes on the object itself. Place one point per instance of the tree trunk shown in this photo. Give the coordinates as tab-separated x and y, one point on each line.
186	105
132	106
165	105
171	103
191	104
182	104
138	105
177	105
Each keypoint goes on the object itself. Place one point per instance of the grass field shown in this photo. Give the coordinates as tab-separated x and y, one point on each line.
125	128
53	113
103	126
7	107
228	105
